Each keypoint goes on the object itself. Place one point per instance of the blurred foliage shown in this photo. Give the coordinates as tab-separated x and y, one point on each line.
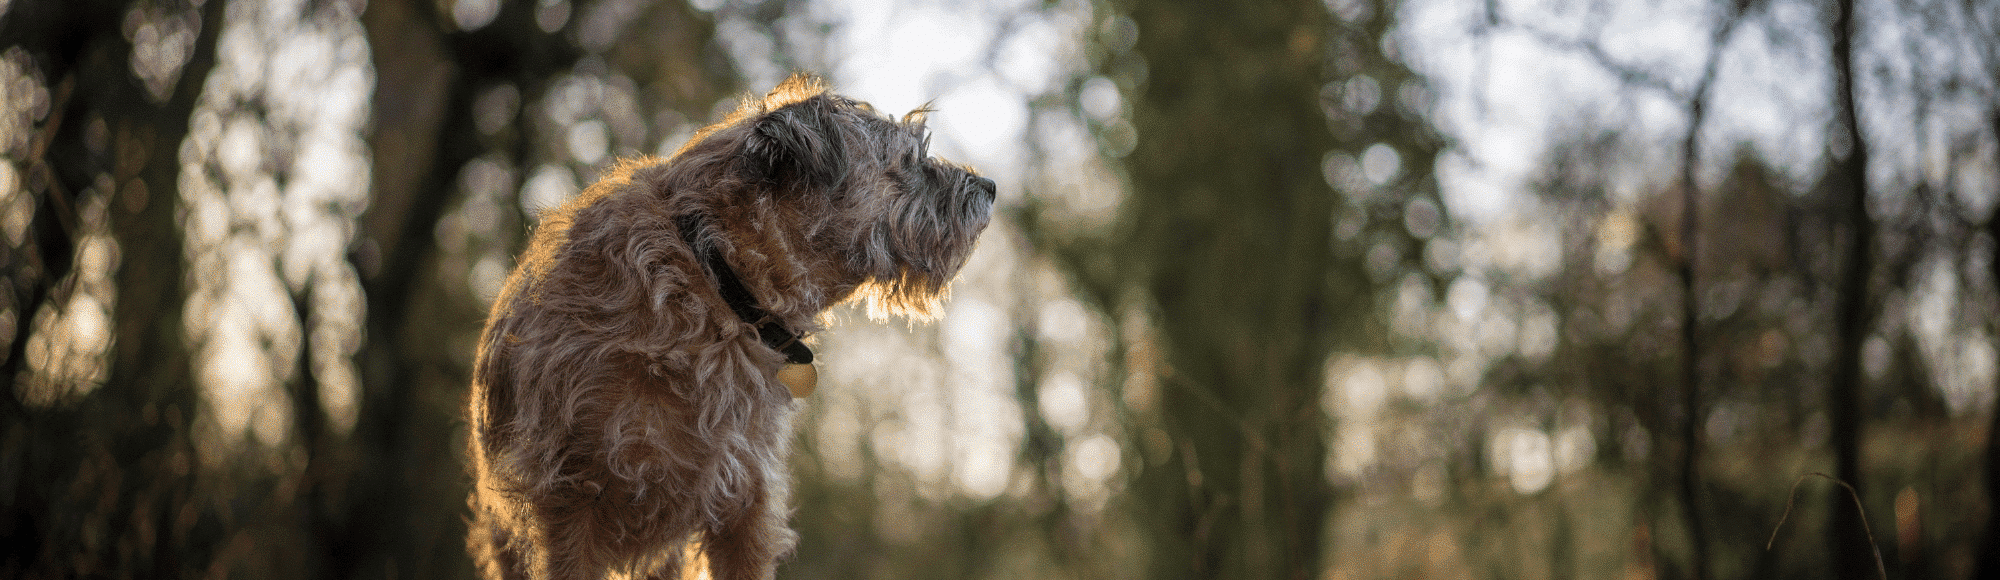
1227	170
1240	318
346	461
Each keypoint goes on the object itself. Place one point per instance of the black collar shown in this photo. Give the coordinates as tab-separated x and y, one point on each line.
769	328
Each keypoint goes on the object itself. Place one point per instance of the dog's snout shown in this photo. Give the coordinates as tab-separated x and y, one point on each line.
986	185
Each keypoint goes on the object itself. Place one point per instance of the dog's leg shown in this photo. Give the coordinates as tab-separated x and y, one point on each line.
748	546
576	547
675	565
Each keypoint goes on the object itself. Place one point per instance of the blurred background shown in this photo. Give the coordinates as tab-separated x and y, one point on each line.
1290	289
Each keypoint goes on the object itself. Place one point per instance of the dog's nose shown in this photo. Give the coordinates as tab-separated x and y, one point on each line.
992	189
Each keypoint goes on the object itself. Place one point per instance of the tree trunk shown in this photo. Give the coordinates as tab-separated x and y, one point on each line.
1989	553
106	483
417	151
1234	242
1689	486
1849	185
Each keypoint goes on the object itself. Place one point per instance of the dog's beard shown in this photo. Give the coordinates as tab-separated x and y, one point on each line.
914	255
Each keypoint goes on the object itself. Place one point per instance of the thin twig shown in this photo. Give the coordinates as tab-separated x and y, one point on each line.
1879	567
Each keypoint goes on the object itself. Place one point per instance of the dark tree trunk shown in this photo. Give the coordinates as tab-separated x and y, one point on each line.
1692	411
422	137
107	483
1233	238
1849	184
1989	553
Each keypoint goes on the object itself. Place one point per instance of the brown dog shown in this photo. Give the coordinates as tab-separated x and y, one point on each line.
624	403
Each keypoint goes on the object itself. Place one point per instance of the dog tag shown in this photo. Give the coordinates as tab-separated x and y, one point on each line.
801	379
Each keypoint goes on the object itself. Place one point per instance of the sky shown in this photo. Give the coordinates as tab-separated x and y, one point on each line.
1503	90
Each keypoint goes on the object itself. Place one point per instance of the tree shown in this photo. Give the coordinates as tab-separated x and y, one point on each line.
122	472
1247	138
1225	188
1848	180
104	479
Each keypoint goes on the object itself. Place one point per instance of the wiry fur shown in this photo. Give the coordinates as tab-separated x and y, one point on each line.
621	412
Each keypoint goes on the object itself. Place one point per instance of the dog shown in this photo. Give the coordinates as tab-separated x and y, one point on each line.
626	411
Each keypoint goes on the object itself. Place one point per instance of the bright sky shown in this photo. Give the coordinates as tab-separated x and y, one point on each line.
1504	92
902	54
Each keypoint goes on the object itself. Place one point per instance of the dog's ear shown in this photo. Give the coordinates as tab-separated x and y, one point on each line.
798	142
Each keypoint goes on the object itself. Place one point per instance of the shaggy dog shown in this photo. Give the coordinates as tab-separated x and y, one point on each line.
625	408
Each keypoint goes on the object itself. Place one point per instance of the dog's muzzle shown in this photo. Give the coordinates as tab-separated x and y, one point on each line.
986	185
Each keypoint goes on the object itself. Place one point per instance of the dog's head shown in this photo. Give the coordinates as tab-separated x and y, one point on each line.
854	195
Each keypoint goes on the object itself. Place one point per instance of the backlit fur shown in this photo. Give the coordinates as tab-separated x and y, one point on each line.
623	417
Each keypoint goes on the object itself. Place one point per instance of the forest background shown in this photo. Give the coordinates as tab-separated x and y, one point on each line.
1291	289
